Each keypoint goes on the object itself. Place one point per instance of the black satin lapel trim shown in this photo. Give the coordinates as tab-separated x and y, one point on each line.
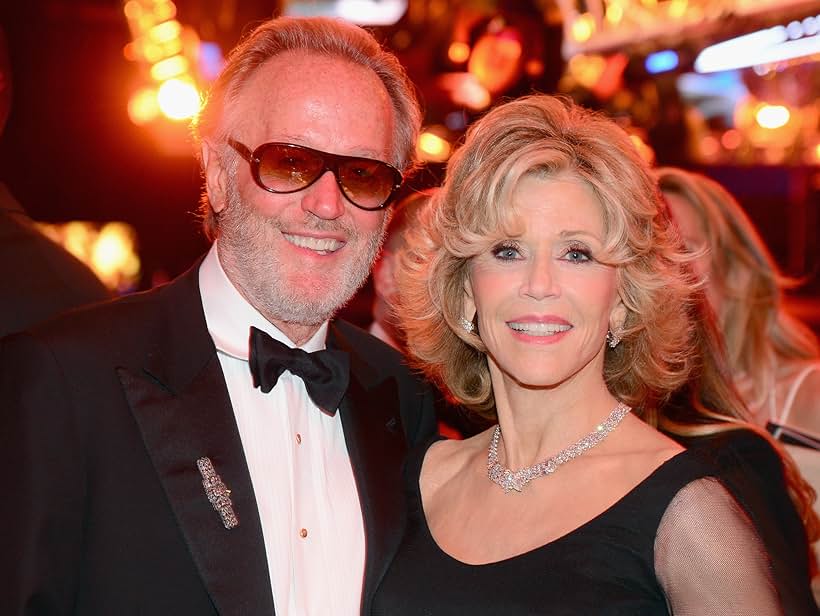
177	430
376	444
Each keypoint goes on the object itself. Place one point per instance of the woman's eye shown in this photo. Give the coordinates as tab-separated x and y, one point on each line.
577	255
506	253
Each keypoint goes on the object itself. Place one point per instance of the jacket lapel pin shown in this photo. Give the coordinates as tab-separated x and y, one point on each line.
217	492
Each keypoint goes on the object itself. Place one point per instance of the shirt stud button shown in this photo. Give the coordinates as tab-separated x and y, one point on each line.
303	533
298	439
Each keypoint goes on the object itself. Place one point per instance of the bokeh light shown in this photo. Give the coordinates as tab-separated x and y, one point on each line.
178	99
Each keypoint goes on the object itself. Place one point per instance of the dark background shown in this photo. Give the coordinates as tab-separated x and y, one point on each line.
70	151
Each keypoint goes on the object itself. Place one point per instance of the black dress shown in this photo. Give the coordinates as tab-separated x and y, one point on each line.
676	542
753	472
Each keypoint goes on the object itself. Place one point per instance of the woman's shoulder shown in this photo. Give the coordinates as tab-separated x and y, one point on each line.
439	459
740	447
446	458
799	395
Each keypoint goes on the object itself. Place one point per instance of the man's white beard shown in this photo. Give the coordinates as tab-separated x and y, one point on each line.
254	268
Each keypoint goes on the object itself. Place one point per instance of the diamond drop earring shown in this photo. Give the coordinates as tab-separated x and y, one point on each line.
612	339
466	325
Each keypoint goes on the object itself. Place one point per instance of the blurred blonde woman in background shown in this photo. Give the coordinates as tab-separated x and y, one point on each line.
773	357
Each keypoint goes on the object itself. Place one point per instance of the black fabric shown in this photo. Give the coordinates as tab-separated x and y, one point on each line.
40	278
104	415
753	472
606	566
326	373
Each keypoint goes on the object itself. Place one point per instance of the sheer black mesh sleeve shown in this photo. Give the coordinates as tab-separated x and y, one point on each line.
709	559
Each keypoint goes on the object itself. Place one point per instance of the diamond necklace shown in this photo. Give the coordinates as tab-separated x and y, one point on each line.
516	480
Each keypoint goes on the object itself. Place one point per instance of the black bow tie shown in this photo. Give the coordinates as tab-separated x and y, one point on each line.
325	373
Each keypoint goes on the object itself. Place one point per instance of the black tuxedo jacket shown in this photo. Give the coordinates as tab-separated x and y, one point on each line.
39	278
104	414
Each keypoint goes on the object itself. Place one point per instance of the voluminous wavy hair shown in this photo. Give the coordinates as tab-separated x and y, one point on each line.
670	366
319	35
550	137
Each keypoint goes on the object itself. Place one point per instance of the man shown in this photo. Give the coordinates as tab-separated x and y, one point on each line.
385	286
40	278
146	473
454	421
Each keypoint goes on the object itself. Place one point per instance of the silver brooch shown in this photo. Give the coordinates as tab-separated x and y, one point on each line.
218	493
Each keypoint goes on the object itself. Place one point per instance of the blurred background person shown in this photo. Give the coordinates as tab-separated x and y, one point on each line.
453	419
775	359
40	278
385	324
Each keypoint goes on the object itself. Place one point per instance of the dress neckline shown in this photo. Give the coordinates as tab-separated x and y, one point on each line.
621	502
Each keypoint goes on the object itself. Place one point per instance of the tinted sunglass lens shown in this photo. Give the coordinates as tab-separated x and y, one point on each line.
367	183
285	168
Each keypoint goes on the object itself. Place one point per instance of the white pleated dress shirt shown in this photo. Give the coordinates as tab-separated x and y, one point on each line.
298	462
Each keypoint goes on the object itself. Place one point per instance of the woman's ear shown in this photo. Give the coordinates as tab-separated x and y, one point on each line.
469	304
617	316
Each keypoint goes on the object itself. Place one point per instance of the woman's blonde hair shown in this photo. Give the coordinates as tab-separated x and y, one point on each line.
549	136
755	329
758	330
670	365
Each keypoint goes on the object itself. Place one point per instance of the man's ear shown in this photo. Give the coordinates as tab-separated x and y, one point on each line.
384	275
215	176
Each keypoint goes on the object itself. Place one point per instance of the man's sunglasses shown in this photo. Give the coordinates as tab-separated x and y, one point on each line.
286	168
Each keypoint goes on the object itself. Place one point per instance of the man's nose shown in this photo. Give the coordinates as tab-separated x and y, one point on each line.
324	198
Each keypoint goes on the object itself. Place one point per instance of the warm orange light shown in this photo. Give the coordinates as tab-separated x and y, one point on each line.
731	139
677	8
496	60
587	69
772	116
110	250
143	106
113	252
465	90
709	147
432	148
145	22
132	9
166	31
458	52
130	52
178	99
534	68
169	67
583	27
644	149
76	237
812	157
164	9
614	13
151	52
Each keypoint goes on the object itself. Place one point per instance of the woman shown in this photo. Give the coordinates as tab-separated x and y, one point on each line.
545	288
775	358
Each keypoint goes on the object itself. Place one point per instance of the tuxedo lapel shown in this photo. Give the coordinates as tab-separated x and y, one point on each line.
181	405
377	447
